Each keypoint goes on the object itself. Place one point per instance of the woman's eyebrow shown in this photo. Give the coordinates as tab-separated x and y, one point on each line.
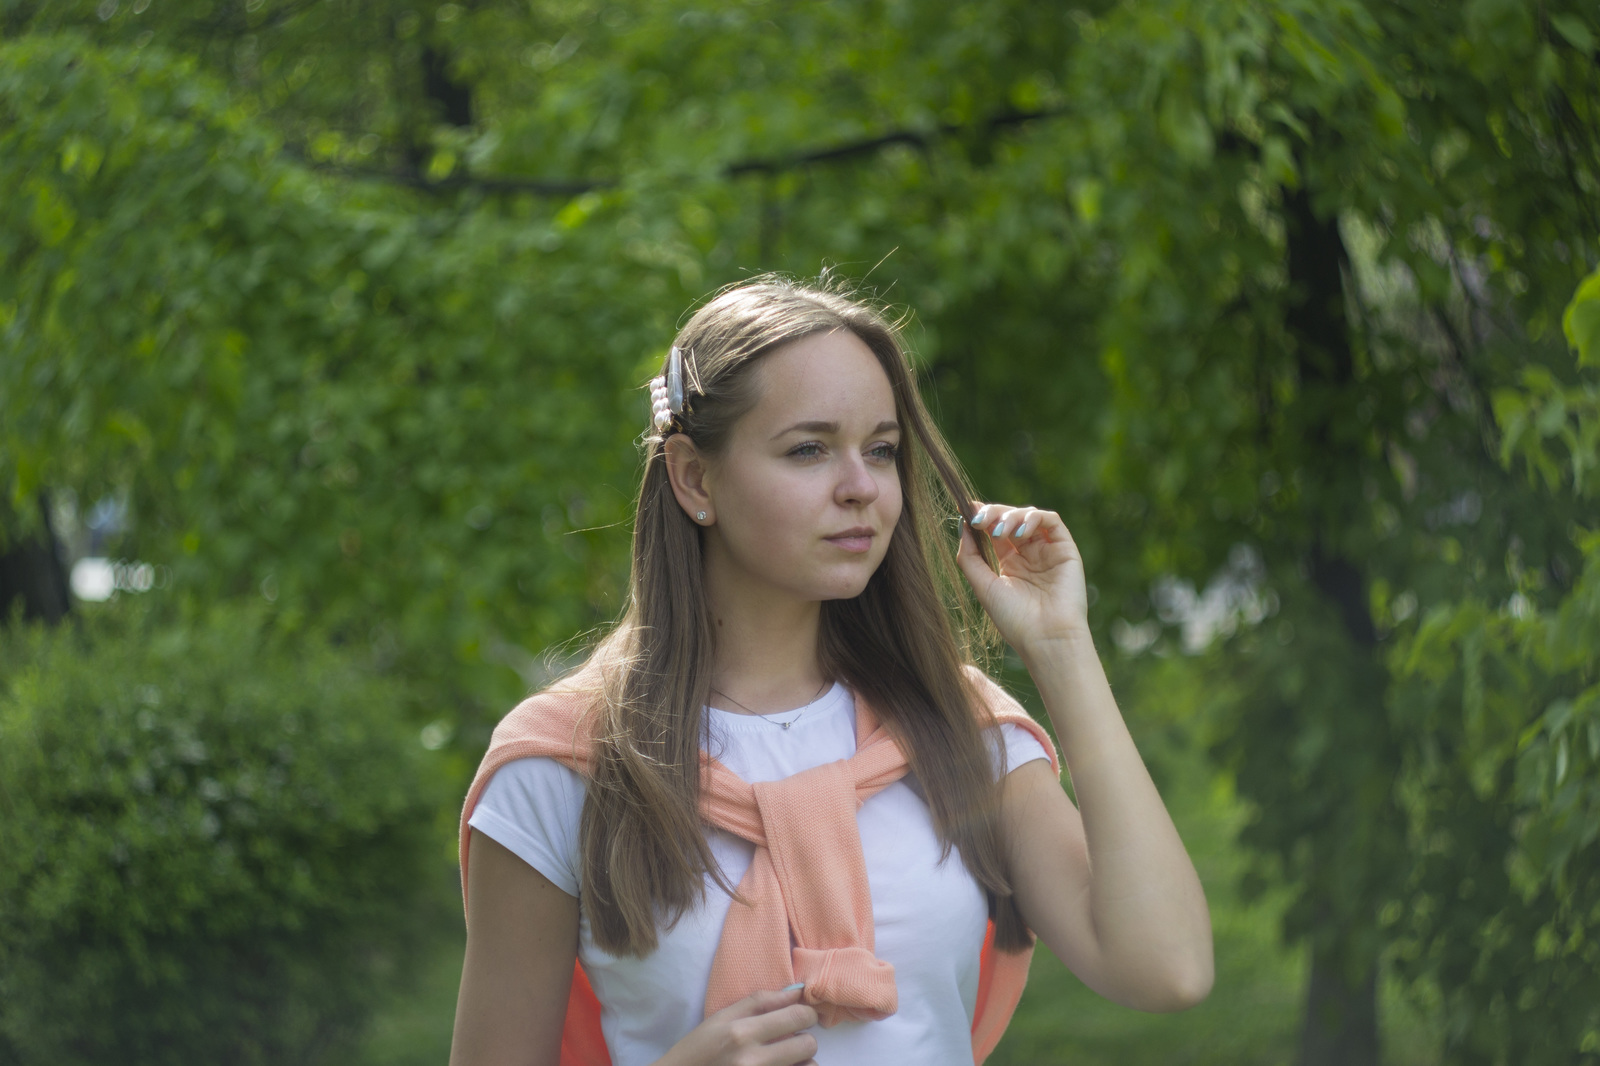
887	426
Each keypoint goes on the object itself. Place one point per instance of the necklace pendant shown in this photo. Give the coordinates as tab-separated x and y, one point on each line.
787	724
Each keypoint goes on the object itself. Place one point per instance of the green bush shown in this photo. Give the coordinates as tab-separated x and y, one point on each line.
217	844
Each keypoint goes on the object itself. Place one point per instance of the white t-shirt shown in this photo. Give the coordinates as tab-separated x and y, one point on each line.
930	916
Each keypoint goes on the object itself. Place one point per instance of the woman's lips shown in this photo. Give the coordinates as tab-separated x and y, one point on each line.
852	540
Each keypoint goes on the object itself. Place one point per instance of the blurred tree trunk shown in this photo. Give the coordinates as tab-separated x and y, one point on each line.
31	569
1340	1024
453	98
1341	1021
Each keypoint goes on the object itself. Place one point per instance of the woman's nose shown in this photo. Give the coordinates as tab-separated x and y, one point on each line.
856	483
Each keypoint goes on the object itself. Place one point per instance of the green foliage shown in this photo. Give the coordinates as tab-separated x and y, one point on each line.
398	423
219	846
1507	927
1581	323
1542	411
1504	794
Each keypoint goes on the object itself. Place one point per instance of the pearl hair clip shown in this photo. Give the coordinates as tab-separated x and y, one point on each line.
667	393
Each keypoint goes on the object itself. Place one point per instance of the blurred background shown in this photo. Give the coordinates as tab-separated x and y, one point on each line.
323	332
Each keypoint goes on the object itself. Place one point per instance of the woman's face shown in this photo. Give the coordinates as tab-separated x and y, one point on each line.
807	491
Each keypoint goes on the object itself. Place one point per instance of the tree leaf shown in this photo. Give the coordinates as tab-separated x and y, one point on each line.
1581	322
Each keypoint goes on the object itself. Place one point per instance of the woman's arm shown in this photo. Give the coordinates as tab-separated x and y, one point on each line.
1111	891
521	944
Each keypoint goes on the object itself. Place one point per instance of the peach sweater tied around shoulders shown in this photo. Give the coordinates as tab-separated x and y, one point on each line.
808	915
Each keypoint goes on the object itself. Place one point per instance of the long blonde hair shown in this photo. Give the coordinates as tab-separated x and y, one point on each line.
644	852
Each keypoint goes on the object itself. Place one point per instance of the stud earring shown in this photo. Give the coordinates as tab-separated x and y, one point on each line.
699	516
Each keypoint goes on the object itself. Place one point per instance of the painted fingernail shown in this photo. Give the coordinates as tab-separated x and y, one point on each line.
794	987
999	530
1021	530
977	516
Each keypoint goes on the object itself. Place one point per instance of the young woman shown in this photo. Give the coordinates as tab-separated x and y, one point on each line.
778	815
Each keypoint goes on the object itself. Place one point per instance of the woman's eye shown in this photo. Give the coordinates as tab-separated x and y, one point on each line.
811	449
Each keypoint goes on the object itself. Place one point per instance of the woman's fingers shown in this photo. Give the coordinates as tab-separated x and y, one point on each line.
997	519
1014	524
765	1002
762	1029
972	562
1037	584
773	1022
772	1025
793	1050
1001	523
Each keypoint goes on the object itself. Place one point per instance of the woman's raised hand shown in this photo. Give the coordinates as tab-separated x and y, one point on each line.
763	1029
1039	594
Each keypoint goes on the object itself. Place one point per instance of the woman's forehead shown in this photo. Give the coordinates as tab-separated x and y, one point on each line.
826	377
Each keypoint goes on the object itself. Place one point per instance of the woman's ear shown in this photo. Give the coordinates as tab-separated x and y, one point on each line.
686	470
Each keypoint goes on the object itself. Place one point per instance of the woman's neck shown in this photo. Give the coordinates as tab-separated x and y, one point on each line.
766	656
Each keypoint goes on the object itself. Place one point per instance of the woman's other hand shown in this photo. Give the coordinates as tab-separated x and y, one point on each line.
1038	595
763	1029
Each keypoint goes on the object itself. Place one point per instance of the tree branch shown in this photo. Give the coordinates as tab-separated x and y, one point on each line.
554	187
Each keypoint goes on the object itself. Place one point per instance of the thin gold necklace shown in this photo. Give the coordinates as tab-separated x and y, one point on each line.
765	718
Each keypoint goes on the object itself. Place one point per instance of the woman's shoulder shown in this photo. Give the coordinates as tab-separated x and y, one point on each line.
542	746
533	806
534	776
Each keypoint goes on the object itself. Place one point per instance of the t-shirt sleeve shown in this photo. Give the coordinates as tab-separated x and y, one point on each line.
532	807
1021	746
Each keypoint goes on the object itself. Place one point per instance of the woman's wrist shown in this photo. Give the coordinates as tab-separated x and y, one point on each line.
1058	654
1076	694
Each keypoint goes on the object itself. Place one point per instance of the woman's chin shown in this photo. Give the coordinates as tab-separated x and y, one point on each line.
844	588
836	582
